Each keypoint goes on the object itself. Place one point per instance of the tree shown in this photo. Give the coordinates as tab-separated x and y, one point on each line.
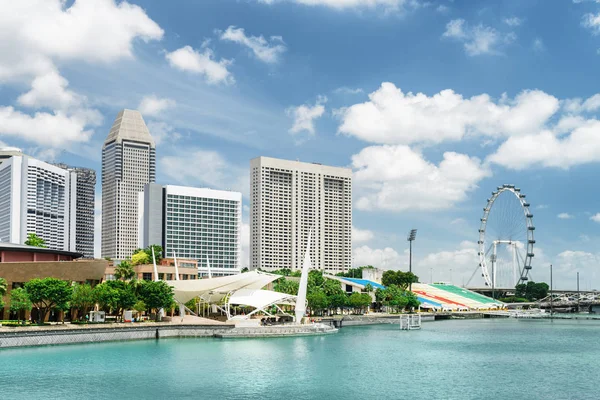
399	278
3	289
106	297
283	285
35	240
158	252
19	301
82	299
157	295
140	306
368	288
245	269
532	291
115	296
47	294
124	271
140	258
317	301
354	272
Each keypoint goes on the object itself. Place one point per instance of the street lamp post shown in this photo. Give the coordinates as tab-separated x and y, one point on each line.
551	296
411	236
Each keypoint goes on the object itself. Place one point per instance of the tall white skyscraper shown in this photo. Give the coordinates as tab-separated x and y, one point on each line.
36	197
128	163
287	199
193	223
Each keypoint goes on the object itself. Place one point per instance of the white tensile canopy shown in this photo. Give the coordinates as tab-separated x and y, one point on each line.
260	300
215	289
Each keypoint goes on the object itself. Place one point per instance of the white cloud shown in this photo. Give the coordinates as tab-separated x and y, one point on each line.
565	216
34	32
361	235
391	116
190	60
546	149
442	9
592	22
50	90
347	90
205	168
387	5
538	45
477	40
268	51
55	130
513	21
578	106
305	115
152	105
386	258
398	178
450	266
595	217
568	263
161	132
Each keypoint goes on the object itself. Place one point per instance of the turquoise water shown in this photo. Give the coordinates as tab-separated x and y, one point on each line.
459	359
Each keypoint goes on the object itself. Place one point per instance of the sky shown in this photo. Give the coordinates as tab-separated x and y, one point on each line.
433	104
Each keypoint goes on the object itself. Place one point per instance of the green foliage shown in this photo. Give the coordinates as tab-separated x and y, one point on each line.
114	296
315	279
82	299
157	295
140	258
3	289
245	269
317	301
532	291
396	298
158	252
368	288
124	271
140	306
47	294
399	278
191	304
359	301
35	240
514	299
19	301
283	285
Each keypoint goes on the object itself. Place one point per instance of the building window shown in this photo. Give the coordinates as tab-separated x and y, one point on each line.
147	276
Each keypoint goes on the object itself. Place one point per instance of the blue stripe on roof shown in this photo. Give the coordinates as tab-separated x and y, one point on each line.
365	282
433	303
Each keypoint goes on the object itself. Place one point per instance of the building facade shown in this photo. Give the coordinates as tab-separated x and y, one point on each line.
290	198
85	194
128	163
193	223
36	197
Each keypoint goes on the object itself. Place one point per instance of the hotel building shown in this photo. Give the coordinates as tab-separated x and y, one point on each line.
128	163
193	223
289	198
36	197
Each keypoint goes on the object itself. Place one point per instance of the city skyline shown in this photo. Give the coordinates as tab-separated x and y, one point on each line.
220	84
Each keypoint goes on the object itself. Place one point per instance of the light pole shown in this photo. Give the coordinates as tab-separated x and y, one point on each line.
578	295
551	296
411	236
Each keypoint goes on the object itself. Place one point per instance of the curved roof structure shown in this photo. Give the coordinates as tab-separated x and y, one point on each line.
259	299
215	289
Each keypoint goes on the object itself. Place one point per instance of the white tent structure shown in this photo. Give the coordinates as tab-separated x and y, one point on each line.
261	300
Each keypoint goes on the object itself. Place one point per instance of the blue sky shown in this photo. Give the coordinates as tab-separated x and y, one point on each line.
432	103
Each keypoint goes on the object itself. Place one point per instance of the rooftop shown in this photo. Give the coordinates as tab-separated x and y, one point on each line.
6	246
129	125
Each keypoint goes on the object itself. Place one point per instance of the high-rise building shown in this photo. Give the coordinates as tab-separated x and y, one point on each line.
289	198
193	223
36	197
85	193
128	163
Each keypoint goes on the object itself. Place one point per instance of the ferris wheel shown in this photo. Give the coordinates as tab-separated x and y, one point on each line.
506	238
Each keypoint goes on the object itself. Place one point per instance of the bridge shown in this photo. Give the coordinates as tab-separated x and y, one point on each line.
558	300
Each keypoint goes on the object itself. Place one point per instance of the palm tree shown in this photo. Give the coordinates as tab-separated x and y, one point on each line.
124	271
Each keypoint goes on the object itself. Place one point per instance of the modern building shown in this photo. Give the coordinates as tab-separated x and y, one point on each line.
289	198
187	269
193	223
20	263
85	193
128	163
36	197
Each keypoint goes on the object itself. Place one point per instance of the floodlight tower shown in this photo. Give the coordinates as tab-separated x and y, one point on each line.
411	236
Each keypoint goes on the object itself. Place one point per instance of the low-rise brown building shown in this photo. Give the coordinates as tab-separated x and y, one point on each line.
21	263
188	270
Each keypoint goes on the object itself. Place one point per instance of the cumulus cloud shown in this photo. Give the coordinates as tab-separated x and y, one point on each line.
202	63
305	115
513	21
398	178
568	263
163	132
565	216
386	258
268	51
450	265
347	90
361	235
152	105
595	217
477	40
547	149
394	117
592	22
